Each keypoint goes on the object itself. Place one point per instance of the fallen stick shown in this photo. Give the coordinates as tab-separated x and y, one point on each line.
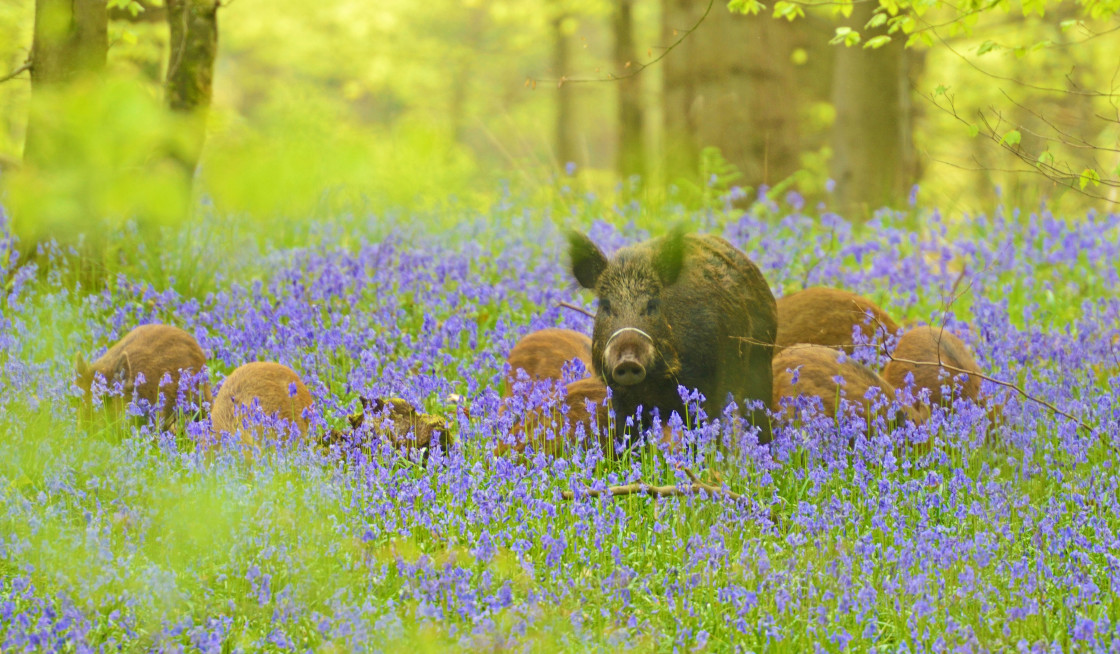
640	488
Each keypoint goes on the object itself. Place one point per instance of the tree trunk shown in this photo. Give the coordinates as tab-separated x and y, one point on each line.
565	105
730	84
873	152
190	68
71	40
631	153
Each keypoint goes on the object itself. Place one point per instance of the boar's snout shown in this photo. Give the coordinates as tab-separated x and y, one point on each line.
628	354
629	371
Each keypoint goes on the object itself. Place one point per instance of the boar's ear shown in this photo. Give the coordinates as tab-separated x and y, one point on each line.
123	370
588	261
81	367
668	258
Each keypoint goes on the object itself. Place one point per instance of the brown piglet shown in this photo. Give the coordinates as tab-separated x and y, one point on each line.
548	431
271	385
923	352
153	351
543	354
817	370
828	317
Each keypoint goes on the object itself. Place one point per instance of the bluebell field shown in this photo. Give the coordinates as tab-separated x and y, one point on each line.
991	537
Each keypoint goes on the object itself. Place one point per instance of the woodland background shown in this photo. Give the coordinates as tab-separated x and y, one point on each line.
293	104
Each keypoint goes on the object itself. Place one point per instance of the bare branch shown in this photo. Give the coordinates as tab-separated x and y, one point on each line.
568	305
1066	178
1017	389
1048	89
15	73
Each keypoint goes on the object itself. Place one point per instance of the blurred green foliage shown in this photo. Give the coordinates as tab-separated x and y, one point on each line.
110	157
339	106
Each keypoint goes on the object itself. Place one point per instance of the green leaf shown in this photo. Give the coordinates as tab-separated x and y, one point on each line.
1089	175
973	130
986	47
788	10
877	42
940	90
877	20
1067	25
750	7
1046	158
1011	138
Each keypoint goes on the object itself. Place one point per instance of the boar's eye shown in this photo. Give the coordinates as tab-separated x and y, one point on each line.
605	306
652	307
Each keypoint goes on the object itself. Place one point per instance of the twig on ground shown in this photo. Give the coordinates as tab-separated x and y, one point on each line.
640	488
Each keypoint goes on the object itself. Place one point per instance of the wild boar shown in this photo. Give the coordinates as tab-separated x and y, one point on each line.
920	351
817	369
543	354
275	387
681	310
153	351
396	420
829	317
583	403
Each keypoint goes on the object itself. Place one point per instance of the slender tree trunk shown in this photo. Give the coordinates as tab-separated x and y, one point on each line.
190	68
71	40
730	84
873	153
471	42
565	105
631	153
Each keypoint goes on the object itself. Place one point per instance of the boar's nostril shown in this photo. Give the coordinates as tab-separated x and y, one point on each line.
628	372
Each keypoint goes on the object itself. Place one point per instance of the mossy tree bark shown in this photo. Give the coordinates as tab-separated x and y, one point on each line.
190	69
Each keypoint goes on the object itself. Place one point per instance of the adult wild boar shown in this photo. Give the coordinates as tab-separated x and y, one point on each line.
681	310
152	351
543	354
829	316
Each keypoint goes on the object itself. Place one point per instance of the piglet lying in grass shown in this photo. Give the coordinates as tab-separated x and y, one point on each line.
396	422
